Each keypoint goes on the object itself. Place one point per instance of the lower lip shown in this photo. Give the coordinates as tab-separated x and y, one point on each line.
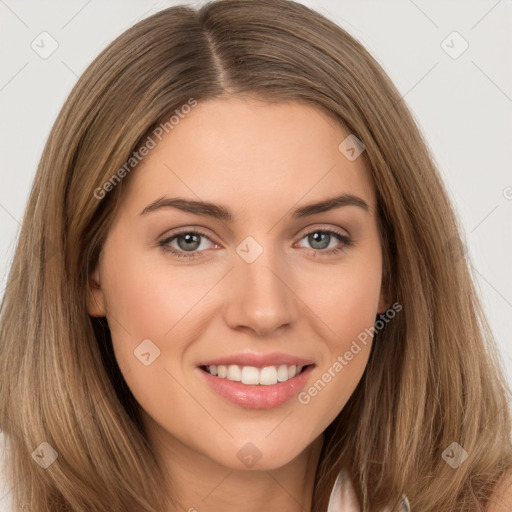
258	396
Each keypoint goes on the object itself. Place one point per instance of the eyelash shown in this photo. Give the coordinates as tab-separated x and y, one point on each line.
346	242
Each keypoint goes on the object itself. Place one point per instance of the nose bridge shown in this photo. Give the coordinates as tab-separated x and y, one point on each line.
261	298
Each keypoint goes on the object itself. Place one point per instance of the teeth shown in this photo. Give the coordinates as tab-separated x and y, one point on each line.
234	373
268	376
282	373
251	375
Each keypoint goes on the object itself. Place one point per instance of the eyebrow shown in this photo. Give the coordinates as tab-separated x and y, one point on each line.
222	213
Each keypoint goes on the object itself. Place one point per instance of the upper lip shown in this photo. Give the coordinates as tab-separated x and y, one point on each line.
258	360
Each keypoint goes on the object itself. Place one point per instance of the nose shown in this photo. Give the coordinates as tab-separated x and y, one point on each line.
260	297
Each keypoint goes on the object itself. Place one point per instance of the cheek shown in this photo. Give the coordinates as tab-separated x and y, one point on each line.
148	302
157	304
345	304
345	298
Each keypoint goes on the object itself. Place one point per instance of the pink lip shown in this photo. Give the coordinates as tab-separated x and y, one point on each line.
257	396
258	360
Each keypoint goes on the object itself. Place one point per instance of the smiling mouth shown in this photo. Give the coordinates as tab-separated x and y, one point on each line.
252	376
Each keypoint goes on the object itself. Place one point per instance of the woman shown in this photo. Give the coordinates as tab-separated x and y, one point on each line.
235	287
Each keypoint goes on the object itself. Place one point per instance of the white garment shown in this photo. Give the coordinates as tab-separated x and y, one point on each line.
343	497
5	493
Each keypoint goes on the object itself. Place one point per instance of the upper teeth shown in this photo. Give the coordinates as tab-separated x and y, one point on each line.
252	375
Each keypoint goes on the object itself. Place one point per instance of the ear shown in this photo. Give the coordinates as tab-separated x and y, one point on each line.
384	303
95	298
386	293
385	298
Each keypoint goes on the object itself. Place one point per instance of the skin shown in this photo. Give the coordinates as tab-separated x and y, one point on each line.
261	160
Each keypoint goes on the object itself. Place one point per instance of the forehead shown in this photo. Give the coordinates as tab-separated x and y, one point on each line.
254	155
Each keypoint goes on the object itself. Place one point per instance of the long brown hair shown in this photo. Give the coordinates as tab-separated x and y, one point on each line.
433	377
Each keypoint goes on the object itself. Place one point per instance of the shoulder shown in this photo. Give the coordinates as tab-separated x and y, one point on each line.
501	500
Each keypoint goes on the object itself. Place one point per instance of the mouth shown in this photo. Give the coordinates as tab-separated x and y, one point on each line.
256	387
254	376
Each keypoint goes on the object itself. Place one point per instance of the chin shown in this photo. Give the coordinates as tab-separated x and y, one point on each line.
254	456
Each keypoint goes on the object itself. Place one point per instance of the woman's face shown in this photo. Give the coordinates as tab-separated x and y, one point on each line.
256	283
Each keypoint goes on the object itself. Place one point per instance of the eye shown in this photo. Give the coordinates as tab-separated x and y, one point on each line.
187	242
322	240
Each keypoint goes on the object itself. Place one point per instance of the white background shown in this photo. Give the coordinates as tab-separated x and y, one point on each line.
463	106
